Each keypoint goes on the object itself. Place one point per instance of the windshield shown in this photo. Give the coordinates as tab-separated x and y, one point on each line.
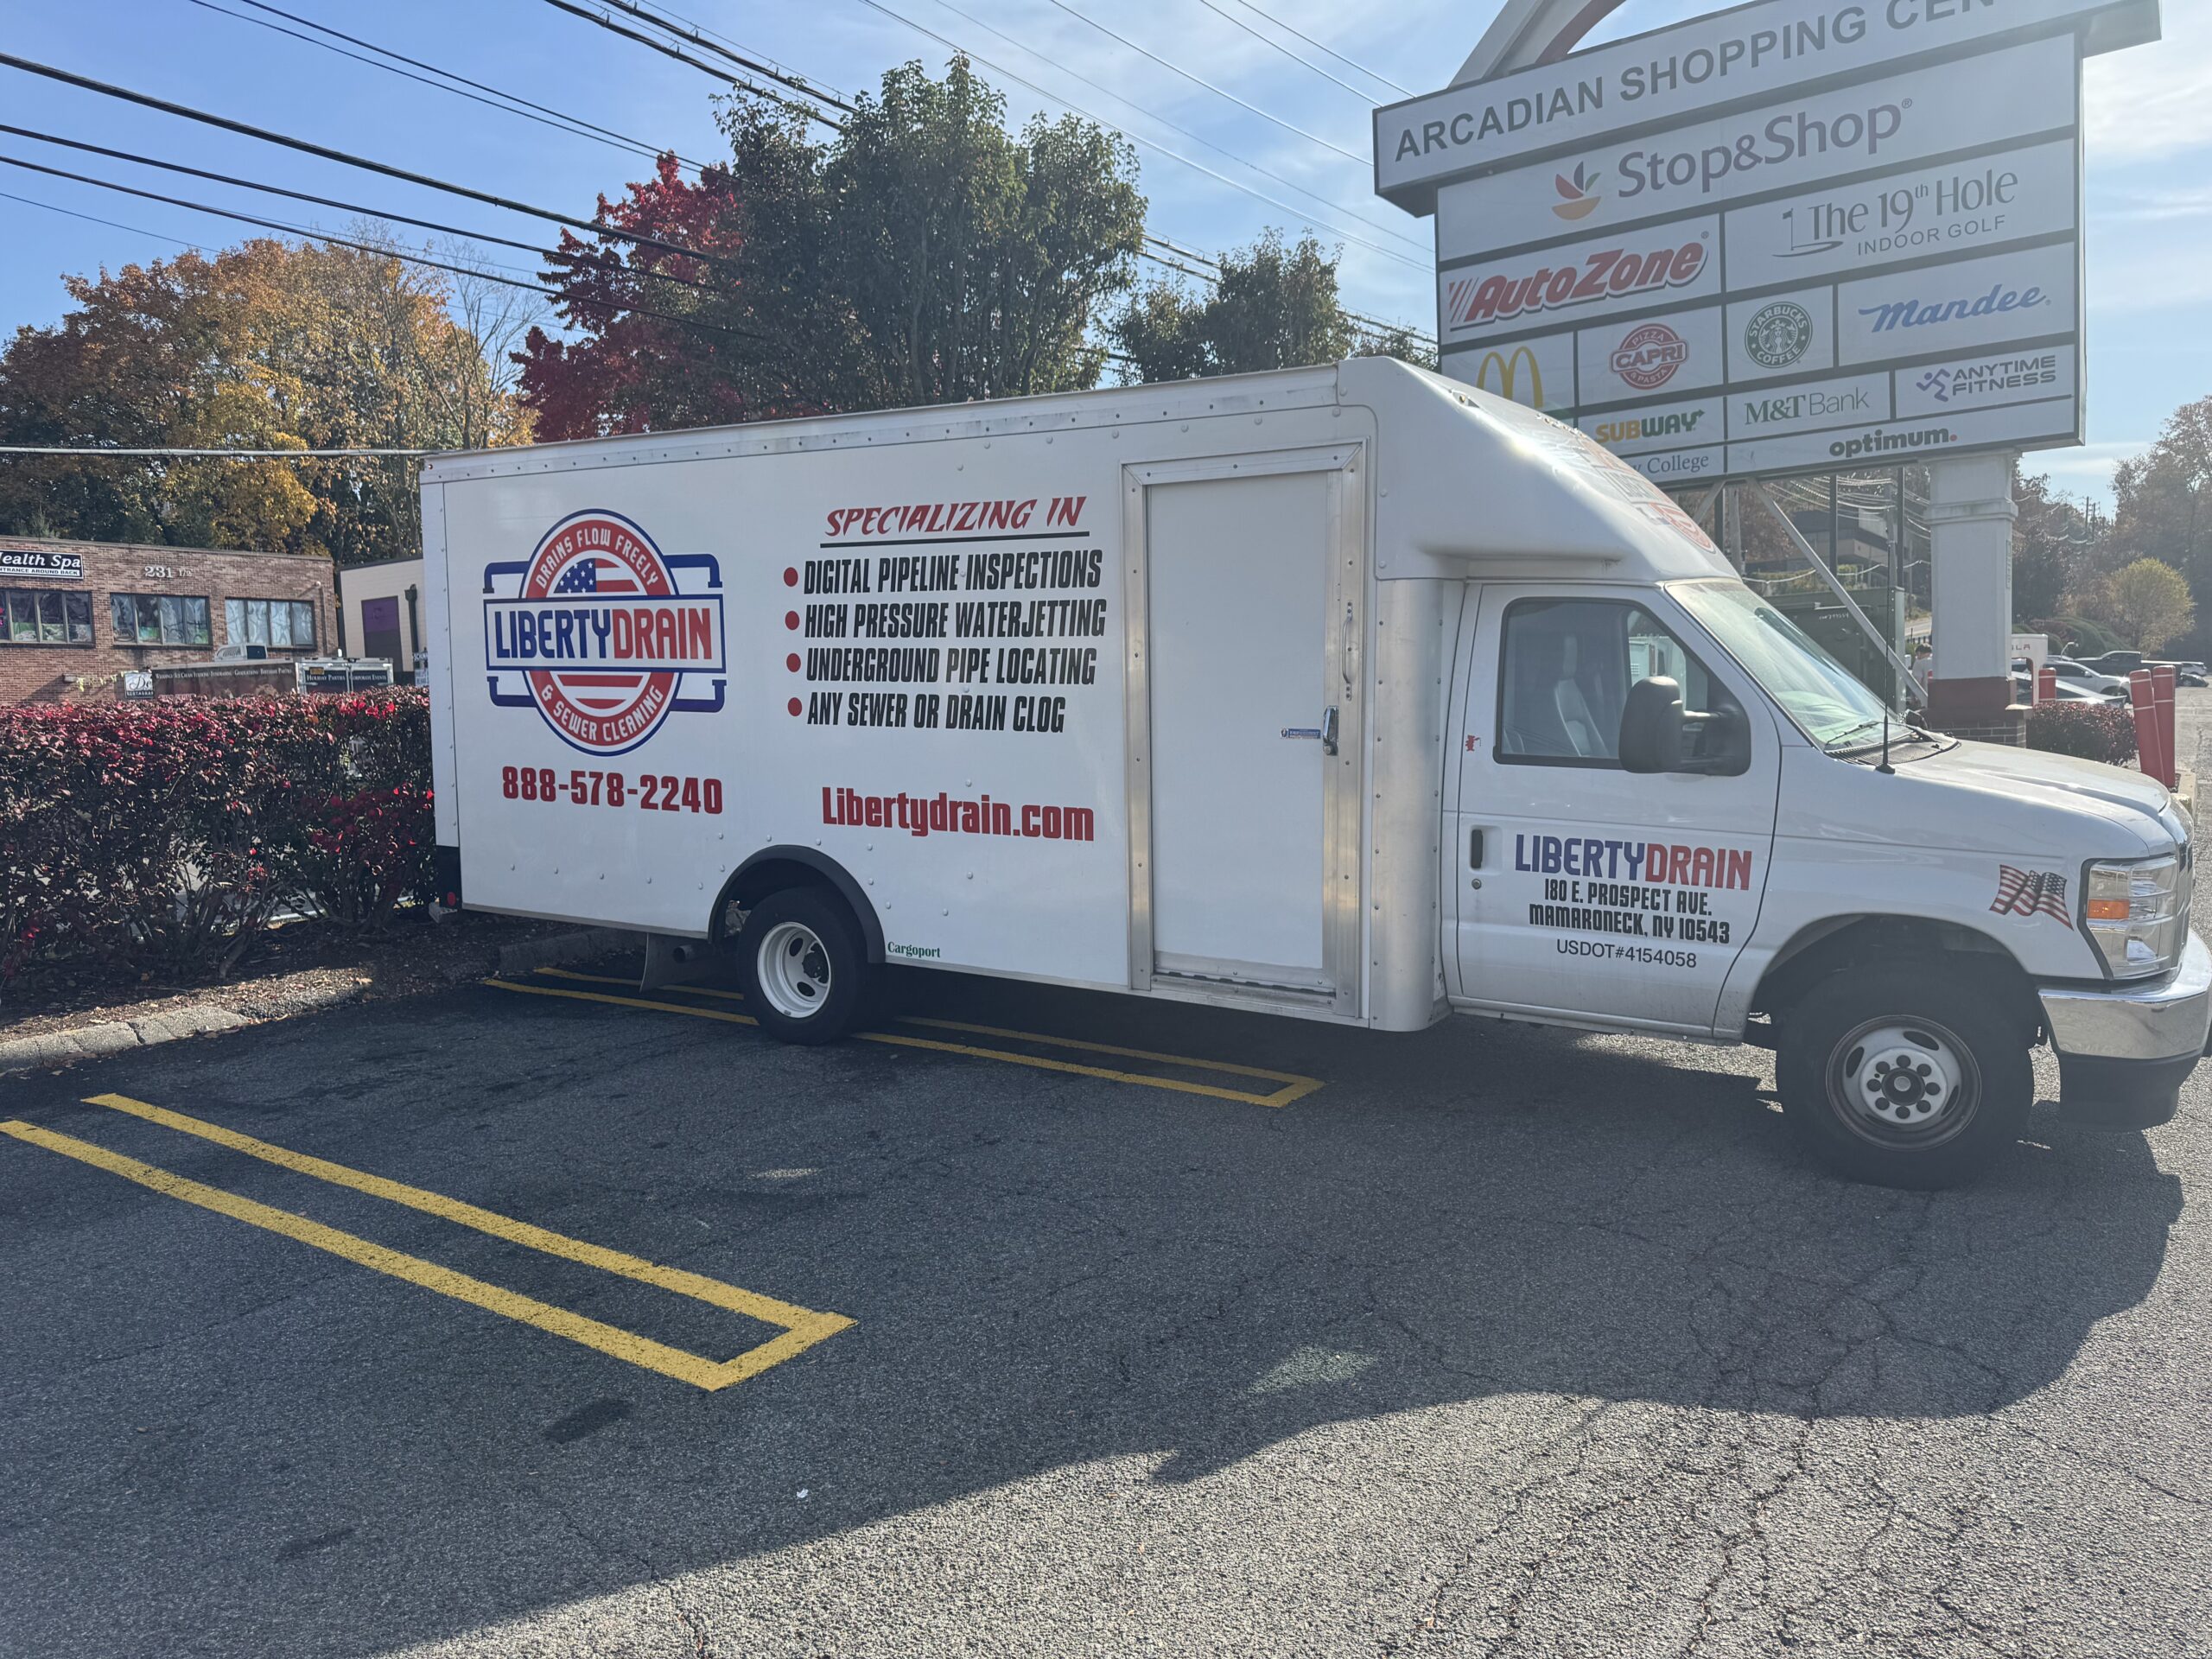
1819	693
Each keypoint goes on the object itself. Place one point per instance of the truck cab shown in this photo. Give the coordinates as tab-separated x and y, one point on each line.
1672	811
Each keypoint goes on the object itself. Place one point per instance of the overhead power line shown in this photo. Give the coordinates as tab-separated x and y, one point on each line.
507	103
681	56
331	201
236	454
1319	46
268	189
700	38
1303	216
1361	93
1200	80
384	252
148	101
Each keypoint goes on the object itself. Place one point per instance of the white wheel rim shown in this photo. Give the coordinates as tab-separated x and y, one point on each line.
1903	1082
794	970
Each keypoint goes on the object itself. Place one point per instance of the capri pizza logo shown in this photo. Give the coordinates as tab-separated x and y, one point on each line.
603	634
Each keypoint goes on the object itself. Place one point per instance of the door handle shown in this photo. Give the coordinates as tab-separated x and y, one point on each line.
1474	849
1329	730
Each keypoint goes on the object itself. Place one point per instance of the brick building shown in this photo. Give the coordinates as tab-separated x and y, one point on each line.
75	615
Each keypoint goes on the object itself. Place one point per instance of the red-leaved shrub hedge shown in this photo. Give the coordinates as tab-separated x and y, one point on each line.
2090	731
160	837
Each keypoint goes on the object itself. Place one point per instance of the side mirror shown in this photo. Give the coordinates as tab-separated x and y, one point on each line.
1651	726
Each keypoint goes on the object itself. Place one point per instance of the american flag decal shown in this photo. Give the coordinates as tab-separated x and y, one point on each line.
2031	892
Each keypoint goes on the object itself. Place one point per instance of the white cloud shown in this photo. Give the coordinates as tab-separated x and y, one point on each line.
2153	101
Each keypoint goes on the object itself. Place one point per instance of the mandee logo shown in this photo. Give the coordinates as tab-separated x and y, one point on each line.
1920	314
1607	273
601	635
1648	358
1579	193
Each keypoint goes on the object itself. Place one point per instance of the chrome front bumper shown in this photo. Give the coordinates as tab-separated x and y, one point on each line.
2147	1022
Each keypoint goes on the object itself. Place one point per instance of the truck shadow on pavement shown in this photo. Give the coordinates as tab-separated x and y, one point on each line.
1045	1272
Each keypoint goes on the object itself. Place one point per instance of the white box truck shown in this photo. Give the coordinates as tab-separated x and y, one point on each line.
1348	693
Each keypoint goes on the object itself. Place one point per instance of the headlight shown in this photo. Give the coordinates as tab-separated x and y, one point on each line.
2137	913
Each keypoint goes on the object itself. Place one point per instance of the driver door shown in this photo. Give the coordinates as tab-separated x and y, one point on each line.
1586	891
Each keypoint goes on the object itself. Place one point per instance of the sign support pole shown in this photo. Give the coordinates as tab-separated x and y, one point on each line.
1906	684
1970	515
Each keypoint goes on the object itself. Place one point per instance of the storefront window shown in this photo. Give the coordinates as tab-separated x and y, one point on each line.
45	616
159	618
283	624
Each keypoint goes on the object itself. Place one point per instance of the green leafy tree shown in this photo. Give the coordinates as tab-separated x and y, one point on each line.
925	255
1273	305
2163	498
2059	551
2150	602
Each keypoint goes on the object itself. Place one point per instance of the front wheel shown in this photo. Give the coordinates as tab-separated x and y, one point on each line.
804	966
1904	1077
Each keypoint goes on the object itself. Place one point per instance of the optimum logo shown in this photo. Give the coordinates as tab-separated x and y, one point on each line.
1579	193
604	635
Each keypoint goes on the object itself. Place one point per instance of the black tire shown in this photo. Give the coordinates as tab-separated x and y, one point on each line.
804	969
1904	1076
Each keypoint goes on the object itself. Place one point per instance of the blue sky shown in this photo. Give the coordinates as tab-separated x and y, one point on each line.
2150	117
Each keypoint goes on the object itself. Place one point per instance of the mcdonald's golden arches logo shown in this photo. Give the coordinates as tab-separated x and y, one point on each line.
1500	374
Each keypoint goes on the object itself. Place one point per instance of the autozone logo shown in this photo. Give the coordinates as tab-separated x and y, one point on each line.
1609	273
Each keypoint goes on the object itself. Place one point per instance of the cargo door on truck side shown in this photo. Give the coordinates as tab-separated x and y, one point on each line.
1245	607
1586	890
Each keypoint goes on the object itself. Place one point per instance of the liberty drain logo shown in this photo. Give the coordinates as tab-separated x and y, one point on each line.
603	634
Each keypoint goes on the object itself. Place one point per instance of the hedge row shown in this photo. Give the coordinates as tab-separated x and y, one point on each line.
2089	730
161	837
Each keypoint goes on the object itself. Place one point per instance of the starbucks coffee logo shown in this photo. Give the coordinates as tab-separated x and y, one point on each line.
1779	334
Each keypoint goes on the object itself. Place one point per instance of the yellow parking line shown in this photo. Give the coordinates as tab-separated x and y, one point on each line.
527	1310
623	1001
610	979
802	1326
1287	1077
1293	1087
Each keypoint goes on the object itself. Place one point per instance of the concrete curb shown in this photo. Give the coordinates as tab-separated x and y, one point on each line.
59	1048
114	1036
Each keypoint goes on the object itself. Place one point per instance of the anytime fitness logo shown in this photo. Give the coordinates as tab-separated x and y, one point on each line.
600	635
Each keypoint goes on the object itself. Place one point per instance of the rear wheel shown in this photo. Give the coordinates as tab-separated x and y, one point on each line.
805	968
1903	1078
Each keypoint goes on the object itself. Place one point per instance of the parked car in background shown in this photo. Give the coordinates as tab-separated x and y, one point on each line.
2120	664
2082	676
2022	692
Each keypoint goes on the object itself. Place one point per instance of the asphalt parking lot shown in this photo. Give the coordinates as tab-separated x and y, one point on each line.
548	1319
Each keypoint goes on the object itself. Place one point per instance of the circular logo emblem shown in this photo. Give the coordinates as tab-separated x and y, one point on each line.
597	571
1647	359
1779	334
